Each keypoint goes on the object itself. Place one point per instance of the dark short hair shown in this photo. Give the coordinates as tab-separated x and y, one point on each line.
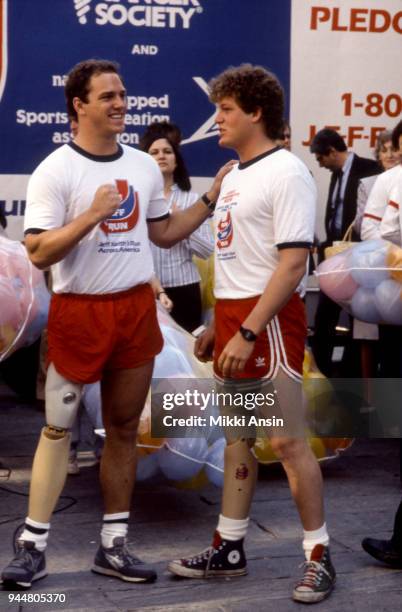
252	87
325	140
396	134
180	174
161	129
77	84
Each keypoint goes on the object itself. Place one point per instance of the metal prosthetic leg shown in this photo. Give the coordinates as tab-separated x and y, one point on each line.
49	468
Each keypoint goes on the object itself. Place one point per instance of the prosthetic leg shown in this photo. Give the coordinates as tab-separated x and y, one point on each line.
49	468
239	478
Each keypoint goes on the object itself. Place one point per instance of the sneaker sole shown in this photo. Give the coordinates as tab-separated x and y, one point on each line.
187	572
116	574
10	583
310	597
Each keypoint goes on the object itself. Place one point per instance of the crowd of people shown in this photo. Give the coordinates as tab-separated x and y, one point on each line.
91	196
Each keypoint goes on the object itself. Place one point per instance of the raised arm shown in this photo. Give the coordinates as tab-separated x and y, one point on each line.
47	247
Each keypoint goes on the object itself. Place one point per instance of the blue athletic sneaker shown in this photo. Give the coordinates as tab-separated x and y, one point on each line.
117	561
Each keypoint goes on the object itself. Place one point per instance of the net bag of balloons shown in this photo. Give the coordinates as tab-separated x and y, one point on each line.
24	298
366	280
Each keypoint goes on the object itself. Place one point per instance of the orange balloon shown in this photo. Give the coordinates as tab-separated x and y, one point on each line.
147	443
335	444
196	482
394	260
318	447
263	451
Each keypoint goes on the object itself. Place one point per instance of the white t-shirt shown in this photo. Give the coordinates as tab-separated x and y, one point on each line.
378	199
115	255
264	205
391	225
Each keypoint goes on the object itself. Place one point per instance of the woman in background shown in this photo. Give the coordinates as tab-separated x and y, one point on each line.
174	267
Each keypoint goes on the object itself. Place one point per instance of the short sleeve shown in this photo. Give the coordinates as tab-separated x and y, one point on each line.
374	211
46	201
390	228
158	206
294	206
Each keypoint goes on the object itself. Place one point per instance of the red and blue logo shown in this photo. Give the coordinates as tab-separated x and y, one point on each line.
225	232
126	216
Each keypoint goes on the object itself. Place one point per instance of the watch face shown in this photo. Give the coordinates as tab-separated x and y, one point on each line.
248	334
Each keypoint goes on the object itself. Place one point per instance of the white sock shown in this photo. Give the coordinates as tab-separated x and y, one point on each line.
114	526
36	532
232	529
312	538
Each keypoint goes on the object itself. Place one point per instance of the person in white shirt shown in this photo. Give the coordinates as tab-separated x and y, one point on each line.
92	208
371	196
377	207
264	228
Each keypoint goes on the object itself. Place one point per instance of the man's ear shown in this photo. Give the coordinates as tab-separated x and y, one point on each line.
78	106
256	115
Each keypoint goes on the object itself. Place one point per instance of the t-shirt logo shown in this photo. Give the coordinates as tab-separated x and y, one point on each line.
126	216
225	232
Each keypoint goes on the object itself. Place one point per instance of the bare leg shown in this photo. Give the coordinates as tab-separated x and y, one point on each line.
301	466
123	397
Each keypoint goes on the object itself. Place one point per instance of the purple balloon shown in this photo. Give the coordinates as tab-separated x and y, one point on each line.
388	301
335	279
364	258
363	306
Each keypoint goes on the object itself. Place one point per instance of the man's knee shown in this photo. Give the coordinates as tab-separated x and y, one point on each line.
62	401
289	449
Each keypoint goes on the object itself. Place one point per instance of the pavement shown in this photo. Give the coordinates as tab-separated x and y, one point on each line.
362	491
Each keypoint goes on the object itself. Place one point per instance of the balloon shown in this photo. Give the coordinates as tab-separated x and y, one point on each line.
334	278
214	463
147	467
24	298
337	444
364	307
318	447
92	401
388	301
198	481
7	336
394	260
10	310
263	452
364	258
182	458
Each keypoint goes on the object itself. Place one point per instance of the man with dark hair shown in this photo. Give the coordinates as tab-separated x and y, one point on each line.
347	169
92	206
264	225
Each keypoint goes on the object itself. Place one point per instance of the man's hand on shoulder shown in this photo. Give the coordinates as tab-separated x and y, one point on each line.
105	203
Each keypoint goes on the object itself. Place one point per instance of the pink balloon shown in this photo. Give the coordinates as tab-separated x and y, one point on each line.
335	280
10	309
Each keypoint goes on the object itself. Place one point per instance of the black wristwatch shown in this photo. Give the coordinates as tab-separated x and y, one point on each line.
247	334
208	203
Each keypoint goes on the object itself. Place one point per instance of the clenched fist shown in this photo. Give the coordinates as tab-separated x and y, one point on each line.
106	201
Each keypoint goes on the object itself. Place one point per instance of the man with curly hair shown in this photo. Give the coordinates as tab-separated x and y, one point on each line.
264	226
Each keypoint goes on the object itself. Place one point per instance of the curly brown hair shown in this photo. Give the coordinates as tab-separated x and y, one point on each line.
252	87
